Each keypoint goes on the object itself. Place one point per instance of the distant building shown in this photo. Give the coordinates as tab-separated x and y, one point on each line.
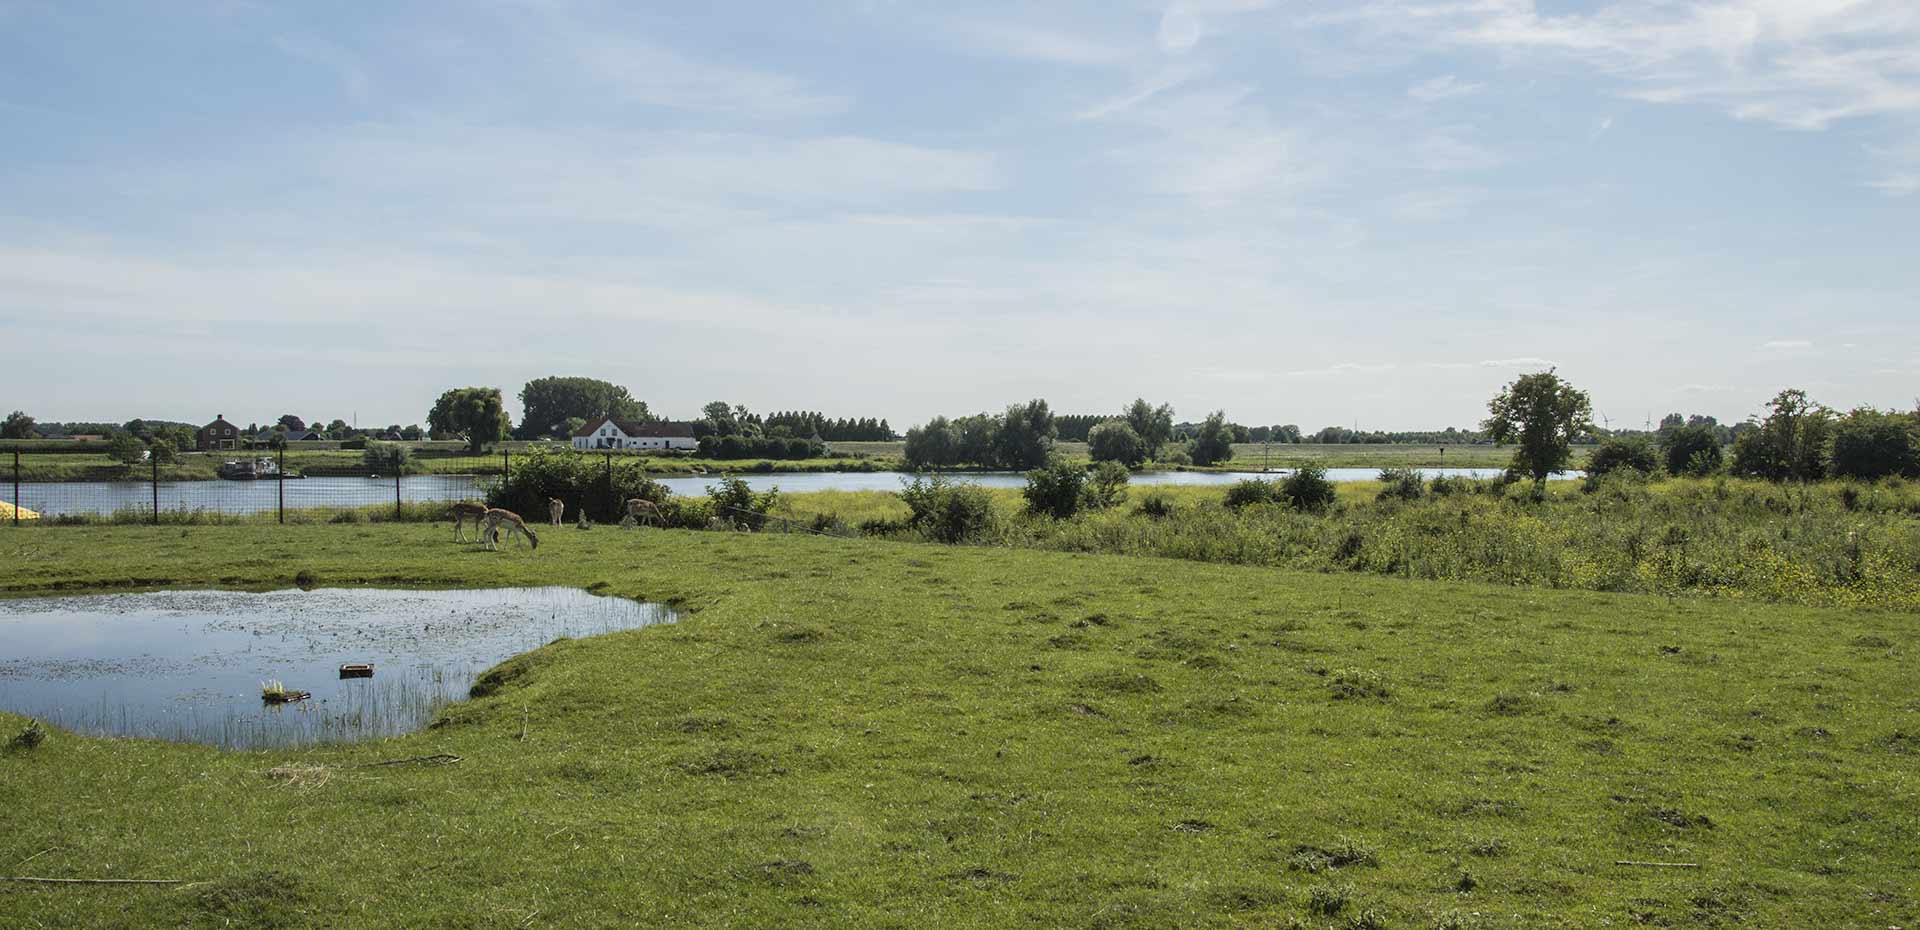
217	435
609	433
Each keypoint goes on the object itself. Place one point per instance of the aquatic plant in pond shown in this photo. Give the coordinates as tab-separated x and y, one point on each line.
228	668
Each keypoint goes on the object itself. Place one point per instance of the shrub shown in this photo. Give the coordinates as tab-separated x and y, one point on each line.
386	458
1251	491
1158	506
1450	485
946	511
1869	444
1213	443
1178	456
30	737
1690	450
1055	489
1405	484
1629	452
735	502
1308	488
1107	487
586	483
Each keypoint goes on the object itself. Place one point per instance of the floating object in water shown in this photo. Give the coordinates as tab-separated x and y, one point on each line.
357	670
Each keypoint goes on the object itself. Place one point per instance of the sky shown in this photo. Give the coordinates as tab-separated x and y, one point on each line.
1358	213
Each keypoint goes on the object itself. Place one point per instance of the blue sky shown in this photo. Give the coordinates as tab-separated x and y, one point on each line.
1366	212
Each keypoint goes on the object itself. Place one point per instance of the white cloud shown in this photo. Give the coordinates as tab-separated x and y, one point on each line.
645	72
1035	42
1786	344
1444	87
1522	362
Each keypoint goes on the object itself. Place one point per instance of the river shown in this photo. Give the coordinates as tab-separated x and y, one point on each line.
247	497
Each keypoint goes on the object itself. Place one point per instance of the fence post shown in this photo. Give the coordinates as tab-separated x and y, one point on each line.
281	507
156	488
16	487
396	493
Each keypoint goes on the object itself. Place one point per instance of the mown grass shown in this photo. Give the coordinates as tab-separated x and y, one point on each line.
859	733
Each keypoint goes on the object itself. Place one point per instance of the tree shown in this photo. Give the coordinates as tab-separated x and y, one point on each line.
413	433
1026	435
1693	449
934	445
549	403
1116	441
1790	444
1541	413
475	414
1633	453
17	426
1055	489
124	448
292	422
338	429
1154	425
1870	444
975	434
1213	442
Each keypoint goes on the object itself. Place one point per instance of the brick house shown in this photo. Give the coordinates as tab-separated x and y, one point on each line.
217	435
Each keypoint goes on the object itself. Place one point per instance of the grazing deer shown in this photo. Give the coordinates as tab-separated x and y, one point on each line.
556	508
640	510
462	511
497	520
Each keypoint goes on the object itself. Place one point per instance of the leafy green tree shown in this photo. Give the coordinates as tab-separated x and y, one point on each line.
1790	444
17	426
935	445
475	414
163	452
338	429
1632	453
291	422
1870	444
1026	435
975	434
413	433
547	404
1693	449
1116	441
735	502
1542	414
1213	442
386	458
124	448
949	512
1154	425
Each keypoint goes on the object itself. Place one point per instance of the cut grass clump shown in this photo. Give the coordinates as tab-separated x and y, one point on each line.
1511	705
269	899
1344	852
730	762
1328	899
1358	684
1117	682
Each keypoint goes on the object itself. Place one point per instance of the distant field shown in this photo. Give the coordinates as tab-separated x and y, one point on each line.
1282	455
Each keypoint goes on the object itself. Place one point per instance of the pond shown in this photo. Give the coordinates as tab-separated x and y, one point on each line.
189	665
257	497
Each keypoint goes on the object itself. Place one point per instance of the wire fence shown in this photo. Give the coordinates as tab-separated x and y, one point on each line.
268	487
278	487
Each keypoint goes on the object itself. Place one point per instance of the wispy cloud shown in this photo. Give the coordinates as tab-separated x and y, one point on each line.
1525	361
1034	42
1600	126
646	72
1444	87
1786	344
352	74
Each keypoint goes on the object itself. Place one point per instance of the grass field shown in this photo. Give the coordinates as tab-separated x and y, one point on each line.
1251	456
858	733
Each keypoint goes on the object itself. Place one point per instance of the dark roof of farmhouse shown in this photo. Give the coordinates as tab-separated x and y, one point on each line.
638	430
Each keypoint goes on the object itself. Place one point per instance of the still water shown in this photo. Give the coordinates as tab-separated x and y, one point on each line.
245	497
188	665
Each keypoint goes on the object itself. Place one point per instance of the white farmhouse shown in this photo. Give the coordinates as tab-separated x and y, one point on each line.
609	433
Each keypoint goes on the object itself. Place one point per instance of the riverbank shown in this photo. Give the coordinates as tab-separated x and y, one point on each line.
863	733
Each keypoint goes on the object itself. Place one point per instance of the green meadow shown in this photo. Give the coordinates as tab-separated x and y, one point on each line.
869	733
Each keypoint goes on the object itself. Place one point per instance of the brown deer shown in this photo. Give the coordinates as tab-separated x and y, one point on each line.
640	510
497	520
462	511
556	508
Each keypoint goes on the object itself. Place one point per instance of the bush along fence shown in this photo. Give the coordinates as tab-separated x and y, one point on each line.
379	486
